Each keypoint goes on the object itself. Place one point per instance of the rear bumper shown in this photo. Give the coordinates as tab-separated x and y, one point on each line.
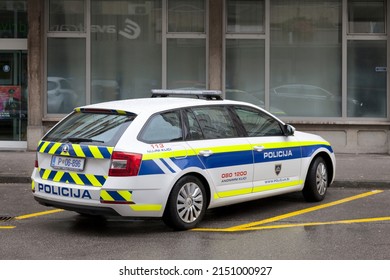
83	209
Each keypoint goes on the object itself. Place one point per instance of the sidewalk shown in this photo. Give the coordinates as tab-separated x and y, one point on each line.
360	171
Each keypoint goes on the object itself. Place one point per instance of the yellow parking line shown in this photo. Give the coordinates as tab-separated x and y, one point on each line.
38	214
307	210
355	221
291	214
7	227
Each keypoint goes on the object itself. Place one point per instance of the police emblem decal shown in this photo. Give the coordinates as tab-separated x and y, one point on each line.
278	168
65	148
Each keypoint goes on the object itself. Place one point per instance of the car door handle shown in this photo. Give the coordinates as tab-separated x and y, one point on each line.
205	153
258	148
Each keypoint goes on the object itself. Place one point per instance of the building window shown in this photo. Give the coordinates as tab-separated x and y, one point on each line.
367	75
185	42
366	16
245	16
186	63
66	56
245	51
13	19
65	74
245	61
305	67
66	15
186	16
126	49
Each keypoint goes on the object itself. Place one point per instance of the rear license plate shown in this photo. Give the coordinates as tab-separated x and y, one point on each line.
67	163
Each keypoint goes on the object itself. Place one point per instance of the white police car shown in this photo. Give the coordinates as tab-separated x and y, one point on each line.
174	157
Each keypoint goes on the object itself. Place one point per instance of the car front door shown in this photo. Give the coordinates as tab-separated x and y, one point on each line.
277	157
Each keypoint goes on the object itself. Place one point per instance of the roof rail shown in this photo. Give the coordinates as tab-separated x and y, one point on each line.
200	94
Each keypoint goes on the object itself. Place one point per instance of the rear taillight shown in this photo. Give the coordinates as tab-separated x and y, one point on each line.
36	161
125	164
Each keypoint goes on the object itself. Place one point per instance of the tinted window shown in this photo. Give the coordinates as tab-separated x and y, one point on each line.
101	128
194	130
165	127
257	123
215	122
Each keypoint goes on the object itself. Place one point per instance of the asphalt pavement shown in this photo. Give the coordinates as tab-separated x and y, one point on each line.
352	170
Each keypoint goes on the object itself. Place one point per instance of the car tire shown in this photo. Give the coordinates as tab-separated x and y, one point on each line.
317	181
186	204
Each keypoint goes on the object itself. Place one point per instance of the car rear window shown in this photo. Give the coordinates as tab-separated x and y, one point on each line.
100	128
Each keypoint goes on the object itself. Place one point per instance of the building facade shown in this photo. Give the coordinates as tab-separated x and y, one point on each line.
319	65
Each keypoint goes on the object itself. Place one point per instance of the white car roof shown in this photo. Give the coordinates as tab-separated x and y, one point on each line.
152	105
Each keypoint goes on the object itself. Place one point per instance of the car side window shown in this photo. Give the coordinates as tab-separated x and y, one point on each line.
194	130
257	123
164	127
215	122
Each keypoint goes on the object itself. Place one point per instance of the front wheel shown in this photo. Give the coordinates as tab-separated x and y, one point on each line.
317	181
186	204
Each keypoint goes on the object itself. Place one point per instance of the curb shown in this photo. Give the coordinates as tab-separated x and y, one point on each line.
361	184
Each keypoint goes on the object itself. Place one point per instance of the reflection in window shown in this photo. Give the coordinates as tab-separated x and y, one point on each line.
257	123
306	51
366	16
65	74
13	19
366	76
125	49
245	16
186	63
245	70
215	122
101	128
66	15
186	15
162	128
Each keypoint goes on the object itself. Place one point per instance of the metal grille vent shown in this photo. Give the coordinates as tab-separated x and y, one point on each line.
5	219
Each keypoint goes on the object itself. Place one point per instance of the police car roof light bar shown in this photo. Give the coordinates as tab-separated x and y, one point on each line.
200	94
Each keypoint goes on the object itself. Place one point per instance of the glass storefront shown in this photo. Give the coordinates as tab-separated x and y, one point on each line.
304	75
13	95
299	58
13	72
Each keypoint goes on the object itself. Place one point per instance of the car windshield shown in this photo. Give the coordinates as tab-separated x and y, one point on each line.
89	127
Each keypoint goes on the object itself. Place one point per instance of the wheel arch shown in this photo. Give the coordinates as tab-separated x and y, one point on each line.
328	161
202	179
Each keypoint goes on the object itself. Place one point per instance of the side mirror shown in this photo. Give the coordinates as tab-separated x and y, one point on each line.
289	130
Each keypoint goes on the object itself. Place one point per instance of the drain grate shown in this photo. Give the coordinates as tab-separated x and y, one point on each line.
5	219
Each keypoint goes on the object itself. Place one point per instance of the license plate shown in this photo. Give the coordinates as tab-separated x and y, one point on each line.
67	163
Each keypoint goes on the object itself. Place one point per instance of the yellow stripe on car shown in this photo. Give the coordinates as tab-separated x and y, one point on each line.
277	186
146	207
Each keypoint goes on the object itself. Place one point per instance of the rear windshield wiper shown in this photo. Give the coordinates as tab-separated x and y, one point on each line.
81	139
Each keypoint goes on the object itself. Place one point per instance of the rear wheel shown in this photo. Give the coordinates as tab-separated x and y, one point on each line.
317	181
187	204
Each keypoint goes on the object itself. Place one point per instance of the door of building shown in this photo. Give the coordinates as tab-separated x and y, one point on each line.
13	97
